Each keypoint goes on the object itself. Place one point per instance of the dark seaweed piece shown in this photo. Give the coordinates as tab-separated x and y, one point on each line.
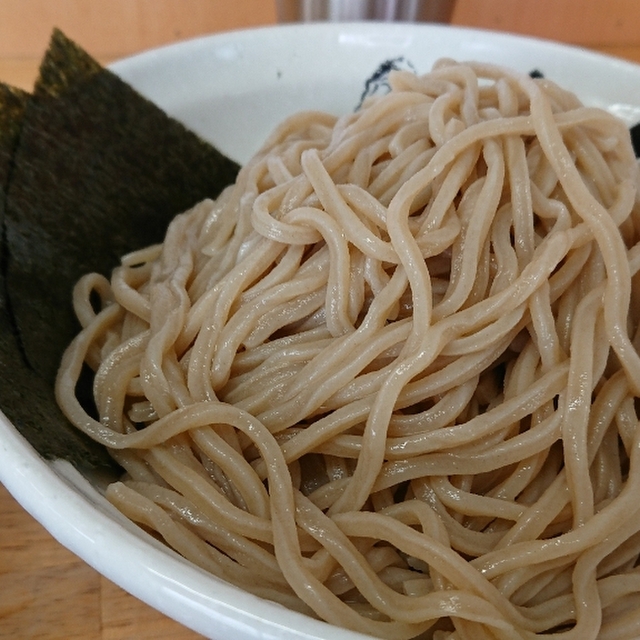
536	73
97	171
379	80
634	132
12	105
25	397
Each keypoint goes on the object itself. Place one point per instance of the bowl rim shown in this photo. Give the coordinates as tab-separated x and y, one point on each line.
60	498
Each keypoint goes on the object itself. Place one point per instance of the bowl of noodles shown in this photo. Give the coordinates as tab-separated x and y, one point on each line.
385	385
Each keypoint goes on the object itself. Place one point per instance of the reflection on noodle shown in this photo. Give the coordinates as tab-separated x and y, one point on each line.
388	378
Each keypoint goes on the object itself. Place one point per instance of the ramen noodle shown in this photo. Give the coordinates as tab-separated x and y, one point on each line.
389	377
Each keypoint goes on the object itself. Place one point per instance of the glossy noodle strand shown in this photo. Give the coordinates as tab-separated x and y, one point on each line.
389	377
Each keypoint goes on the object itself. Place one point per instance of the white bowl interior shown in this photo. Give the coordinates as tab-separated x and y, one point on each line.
233	89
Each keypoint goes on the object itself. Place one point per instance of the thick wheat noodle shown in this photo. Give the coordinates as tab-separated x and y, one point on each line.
389	377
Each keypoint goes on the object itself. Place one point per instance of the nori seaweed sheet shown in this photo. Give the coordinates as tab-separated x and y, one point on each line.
25	397
91	170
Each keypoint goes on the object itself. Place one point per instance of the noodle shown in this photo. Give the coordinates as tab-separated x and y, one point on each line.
389	377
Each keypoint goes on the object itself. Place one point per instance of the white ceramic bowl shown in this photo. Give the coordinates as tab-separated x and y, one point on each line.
232	89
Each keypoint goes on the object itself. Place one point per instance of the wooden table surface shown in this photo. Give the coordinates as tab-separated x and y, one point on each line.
45	591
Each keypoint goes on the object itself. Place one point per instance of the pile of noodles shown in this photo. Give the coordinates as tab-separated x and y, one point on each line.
389	377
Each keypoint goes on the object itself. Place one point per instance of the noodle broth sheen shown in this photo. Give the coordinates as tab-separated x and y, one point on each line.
389	377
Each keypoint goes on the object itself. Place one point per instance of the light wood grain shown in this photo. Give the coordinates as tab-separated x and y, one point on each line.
46	593
592	23
121	27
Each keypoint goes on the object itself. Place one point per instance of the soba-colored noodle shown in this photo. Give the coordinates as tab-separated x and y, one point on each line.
389	377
